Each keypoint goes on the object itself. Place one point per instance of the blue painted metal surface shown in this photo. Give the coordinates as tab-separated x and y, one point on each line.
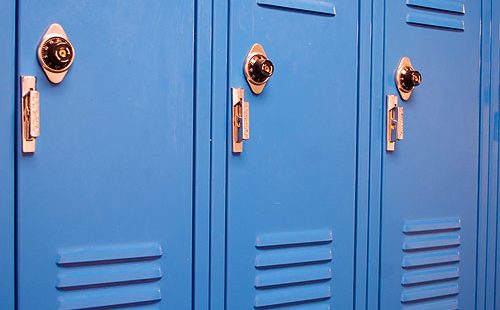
105	204
371	131
429	206
96	254
363	195
493	266
435	20
7	111
442	5
275	227
102	275
202	165
325	7
219	118
291	193
487	171
442	13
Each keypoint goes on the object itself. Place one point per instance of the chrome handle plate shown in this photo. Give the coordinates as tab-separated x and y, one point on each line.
241	119
30	113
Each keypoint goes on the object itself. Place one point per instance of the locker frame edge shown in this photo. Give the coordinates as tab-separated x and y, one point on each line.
202	154
493	266
363	160
376	136
219	134
7	190
487	202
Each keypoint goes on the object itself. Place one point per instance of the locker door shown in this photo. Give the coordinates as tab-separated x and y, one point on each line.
104	203
429	200
291	192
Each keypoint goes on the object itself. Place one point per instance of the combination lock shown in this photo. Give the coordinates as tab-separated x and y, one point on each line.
260	69
56	53
407	78
257	68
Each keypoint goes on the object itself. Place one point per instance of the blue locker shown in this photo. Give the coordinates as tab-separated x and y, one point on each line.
104	204
429	204
429	183
291	191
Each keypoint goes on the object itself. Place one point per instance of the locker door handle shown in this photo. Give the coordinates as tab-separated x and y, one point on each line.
30	113
241	119
395	122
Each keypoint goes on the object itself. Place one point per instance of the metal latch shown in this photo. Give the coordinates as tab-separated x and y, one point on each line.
395	122
241	119
30	113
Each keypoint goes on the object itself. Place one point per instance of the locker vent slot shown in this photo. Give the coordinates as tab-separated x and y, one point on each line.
431	256
442	5
444	14
313	6
113	276
293	268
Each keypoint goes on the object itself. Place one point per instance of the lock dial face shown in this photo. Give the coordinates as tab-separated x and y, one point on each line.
409	78
55	53
260	69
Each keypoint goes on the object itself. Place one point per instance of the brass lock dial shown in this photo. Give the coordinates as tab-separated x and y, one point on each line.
407	78
258	69
55	53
